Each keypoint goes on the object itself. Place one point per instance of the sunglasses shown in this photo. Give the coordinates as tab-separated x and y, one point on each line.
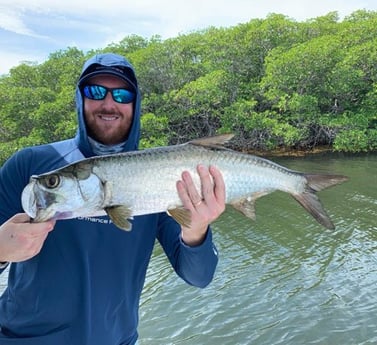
99	92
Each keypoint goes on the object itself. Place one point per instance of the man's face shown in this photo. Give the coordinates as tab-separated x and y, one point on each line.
107	121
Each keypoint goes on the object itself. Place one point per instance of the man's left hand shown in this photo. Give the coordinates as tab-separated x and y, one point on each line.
205	207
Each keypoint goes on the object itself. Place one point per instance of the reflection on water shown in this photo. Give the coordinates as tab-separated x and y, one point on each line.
282	279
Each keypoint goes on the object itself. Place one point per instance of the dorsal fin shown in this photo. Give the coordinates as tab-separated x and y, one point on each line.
216	141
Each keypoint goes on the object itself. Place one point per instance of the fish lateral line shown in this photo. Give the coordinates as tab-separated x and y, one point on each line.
98	189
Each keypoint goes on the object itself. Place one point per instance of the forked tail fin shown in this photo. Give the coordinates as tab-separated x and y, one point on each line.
310	201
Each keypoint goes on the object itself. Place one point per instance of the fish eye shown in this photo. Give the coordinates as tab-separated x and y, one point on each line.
52	181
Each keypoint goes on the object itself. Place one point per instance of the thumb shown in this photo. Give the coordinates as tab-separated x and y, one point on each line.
20	218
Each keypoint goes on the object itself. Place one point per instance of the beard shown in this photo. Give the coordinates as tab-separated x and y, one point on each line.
108	128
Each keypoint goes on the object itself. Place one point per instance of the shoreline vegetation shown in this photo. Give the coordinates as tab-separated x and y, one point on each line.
283	87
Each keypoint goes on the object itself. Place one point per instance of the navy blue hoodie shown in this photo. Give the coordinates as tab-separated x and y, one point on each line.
84	286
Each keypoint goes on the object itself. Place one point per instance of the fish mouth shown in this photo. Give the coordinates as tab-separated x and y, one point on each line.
28	201
34	201
55	216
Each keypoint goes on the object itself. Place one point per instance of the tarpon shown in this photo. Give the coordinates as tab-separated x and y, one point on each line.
143	182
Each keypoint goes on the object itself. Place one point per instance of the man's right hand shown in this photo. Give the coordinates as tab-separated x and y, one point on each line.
21	240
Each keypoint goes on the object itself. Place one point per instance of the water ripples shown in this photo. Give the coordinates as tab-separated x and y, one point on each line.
282	279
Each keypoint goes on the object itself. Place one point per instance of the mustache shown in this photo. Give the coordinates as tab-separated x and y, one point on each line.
107	112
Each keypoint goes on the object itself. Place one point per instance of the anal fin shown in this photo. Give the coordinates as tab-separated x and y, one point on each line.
247	205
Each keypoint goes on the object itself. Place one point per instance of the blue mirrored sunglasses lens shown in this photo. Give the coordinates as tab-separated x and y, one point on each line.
123	96
95	92
98	92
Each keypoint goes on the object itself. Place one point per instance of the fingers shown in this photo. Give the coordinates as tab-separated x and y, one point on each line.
205	200
20	218
212	189
212	185
33	229
20	239
188	192
40	229
219	184
206	184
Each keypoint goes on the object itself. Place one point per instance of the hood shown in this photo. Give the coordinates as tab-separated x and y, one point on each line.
120	67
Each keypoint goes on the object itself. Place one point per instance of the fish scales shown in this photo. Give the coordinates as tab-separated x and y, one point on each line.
144	182
156	172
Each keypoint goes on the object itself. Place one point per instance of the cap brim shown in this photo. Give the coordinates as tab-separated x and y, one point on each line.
107	72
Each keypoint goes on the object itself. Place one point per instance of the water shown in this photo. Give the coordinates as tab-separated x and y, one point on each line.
282	279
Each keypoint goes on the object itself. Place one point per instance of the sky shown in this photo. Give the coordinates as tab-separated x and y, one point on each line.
30	30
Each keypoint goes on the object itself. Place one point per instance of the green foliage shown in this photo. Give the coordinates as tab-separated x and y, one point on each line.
152	131
258	130
127	45
274	82
195	109
356	140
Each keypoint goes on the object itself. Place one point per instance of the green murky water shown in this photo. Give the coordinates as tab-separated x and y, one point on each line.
282	279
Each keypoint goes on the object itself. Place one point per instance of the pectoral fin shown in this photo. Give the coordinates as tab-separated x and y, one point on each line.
181	215
119	216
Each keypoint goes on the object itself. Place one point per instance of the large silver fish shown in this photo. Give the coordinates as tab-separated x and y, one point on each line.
143	182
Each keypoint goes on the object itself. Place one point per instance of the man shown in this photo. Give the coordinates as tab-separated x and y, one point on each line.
79	281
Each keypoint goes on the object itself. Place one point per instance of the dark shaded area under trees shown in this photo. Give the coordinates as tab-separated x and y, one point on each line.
275	82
